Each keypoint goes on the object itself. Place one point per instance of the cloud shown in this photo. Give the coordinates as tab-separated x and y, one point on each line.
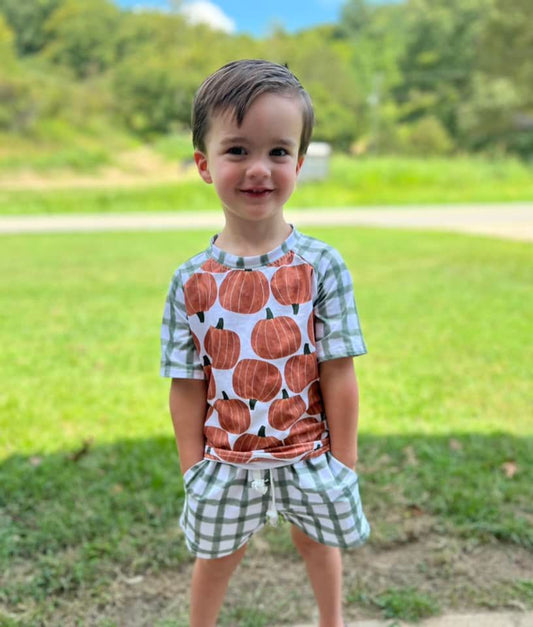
205	12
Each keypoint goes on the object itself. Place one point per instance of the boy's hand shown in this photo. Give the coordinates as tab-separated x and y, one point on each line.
348	458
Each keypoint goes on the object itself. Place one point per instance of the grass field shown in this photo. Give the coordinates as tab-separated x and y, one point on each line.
89	480
352	182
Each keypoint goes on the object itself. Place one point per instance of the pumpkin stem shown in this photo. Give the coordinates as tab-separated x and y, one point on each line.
220	324
225	396
295	308
206	361
307	350
262	432
270	315
285	394
252	402
200	315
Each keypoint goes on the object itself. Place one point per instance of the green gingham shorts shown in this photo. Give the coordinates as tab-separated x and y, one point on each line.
225	505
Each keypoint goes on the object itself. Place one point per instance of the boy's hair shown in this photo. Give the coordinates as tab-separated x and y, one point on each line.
235	86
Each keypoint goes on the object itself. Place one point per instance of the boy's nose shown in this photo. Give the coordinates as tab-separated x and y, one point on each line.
258	168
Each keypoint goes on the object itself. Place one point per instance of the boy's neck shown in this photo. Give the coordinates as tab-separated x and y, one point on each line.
248	240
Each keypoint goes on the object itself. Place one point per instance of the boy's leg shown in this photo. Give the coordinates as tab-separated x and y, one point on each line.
324	568
210	580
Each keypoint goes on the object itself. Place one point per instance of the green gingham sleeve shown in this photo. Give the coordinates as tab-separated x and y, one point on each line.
337	328
179	357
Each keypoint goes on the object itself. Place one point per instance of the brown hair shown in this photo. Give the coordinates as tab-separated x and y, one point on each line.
235	86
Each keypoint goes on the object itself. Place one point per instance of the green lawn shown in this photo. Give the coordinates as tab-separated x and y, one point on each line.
89	479
352	182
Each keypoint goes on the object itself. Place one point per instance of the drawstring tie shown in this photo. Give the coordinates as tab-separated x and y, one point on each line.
259	484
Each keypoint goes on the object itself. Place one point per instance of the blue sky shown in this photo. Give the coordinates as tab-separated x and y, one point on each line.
253	17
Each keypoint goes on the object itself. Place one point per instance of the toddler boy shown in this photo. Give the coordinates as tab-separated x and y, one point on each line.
259	334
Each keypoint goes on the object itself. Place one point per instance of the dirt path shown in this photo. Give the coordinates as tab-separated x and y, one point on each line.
463	577
507	220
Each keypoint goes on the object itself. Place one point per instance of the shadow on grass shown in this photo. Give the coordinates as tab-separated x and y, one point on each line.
78	518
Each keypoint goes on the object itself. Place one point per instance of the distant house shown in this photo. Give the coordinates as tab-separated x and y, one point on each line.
316	164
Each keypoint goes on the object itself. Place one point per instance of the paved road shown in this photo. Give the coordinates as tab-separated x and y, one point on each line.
508	220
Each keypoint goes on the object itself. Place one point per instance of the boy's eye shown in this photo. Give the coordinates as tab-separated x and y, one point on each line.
279	152
236	150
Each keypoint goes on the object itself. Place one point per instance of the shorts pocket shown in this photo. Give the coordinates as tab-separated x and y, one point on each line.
193	471
339	467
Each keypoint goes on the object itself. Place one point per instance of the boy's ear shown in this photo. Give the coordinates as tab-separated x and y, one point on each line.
201	164
300	164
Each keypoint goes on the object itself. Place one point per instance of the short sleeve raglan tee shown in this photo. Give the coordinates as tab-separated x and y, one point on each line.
256	328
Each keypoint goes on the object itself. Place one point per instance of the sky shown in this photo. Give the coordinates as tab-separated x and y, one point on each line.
247	16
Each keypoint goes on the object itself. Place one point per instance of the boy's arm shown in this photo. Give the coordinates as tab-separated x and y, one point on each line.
340	394
188	405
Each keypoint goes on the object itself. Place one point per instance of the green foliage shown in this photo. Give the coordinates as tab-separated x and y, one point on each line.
407	604
27	19
151	96
177	147
440	56
81	36
417	77
424	137
507	43
7	40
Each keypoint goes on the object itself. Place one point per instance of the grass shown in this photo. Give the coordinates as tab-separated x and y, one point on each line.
371	181
88	472
406	604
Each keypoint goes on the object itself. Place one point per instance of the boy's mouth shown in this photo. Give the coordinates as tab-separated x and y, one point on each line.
257	192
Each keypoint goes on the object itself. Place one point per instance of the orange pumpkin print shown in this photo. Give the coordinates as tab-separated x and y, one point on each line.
284	412
234	457
252	442
291	285
276	337
315	404
212	386
295	450
196	343
286	260
200	293
216	438
223	347
244	291
233	414
301	370
305	431
256	380
211	265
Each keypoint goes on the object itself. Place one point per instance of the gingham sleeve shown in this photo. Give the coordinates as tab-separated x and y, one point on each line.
179	357
337	329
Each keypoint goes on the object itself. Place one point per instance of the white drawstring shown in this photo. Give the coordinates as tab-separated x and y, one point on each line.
272	513
260	485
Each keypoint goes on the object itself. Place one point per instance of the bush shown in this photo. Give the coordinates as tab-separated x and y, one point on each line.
425	137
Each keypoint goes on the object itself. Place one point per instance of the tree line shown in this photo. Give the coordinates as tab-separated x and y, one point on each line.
418	77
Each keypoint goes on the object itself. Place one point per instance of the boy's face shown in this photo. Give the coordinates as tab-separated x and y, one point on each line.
254	166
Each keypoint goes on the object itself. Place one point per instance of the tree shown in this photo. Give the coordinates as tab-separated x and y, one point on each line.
507	44
440	57
82	36
375	36
27	19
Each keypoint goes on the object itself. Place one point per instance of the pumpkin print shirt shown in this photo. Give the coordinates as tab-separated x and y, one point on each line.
256	328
